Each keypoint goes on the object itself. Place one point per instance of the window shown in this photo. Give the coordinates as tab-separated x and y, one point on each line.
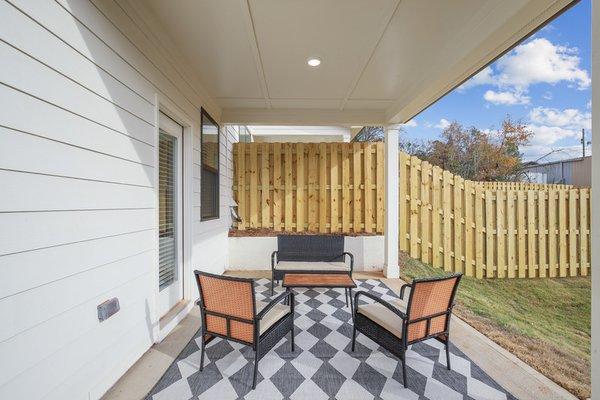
209	148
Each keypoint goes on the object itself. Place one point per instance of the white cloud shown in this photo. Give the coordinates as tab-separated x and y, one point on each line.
483	77
443	124
537	61
548	135
568	118
547	96
540	61
589	104
506	97
550	126
411	124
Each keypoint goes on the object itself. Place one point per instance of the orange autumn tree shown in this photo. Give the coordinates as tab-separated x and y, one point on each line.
476	154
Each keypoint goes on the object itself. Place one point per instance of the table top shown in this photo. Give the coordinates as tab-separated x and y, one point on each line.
318	280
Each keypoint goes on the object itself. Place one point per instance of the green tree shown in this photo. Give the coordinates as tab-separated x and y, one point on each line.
476	154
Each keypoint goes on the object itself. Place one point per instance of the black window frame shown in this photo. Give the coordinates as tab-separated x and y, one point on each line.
204	114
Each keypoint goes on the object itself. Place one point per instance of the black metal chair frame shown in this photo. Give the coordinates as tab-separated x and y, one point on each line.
328	248
261	344
389	341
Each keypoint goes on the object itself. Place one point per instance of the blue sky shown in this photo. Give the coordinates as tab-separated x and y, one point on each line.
545	82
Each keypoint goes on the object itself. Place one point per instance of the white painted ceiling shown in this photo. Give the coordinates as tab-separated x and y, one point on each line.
383	60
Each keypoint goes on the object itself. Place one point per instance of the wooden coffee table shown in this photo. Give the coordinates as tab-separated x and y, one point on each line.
318	280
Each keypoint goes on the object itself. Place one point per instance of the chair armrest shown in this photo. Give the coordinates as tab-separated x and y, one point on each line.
273	303
273	256
403	288
351	260
379	300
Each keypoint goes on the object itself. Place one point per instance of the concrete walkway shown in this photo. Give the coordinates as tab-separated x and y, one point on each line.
506	369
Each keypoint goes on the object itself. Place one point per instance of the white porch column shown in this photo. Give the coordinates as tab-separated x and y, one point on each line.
595	226
390	268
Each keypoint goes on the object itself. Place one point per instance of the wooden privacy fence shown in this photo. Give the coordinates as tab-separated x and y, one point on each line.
461	226
522	186
315	187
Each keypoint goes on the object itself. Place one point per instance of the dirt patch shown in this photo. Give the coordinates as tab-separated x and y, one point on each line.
567	370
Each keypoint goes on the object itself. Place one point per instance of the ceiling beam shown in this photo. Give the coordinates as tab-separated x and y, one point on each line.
369	50
253	41
314	117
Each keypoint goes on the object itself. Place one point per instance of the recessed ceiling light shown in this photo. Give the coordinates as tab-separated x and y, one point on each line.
313	61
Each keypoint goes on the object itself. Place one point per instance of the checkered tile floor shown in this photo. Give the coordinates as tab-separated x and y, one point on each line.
323	366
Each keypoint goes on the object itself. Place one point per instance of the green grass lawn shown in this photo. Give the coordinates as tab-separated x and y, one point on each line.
545	322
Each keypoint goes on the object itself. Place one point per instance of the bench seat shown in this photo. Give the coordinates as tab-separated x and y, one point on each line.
310	254
312	266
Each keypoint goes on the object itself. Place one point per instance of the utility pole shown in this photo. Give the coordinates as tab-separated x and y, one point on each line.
583	141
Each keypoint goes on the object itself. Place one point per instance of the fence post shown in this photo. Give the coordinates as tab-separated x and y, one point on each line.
391	269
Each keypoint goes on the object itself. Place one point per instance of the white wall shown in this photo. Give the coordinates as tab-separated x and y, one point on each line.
299	138
299	134
80	82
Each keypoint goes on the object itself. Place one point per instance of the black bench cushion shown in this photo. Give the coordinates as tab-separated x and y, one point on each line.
310	248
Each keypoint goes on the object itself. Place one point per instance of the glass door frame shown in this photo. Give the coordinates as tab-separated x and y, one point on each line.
169	296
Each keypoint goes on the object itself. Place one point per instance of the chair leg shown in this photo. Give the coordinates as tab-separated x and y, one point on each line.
272	281
353	338
202	353
404	368
448	354
292	337
346	291
255	368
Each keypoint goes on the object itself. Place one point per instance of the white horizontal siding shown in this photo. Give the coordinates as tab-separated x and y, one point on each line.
21	192
26	113
26	152
52	318
35	230
87	42
29	75
31	269
29	37
78	86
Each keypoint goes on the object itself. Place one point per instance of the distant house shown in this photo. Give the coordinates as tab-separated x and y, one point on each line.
574	171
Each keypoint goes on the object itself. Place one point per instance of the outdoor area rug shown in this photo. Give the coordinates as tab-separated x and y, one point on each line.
323	365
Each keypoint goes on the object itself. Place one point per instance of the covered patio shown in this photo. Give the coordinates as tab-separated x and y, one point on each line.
152	81
380	64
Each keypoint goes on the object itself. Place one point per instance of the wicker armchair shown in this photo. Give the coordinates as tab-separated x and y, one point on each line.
397	324
229	310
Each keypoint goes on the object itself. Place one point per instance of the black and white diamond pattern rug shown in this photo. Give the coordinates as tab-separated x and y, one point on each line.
323	365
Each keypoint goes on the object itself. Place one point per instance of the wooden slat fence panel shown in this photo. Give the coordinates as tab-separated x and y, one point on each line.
319	187
483	229
492	229
522	186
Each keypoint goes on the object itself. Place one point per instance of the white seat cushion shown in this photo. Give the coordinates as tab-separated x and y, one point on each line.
312	266
385	317
273	315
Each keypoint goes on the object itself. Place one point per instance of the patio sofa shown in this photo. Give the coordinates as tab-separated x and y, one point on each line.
309	254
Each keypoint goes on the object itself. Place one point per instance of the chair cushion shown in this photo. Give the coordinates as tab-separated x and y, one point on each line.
272	316
384	317
312	266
